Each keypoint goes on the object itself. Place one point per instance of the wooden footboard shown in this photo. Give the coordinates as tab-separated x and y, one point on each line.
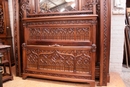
66	63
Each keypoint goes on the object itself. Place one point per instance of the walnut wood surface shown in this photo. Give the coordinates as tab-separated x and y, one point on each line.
5	29
57	36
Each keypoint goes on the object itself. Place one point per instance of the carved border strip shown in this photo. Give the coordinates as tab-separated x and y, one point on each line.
2	30
16	37
104	41
63	22
59	75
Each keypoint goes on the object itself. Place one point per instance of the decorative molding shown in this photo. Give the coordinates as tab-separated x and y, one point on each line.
105	16
89	21
59	75
16	38
104	41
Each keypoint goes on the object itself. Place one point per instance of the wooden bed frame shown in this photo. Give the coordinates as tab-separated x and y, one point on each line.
70	46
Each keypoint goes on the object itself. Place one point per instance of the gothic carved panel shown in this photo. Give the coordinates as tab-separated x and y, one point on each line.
67	60
60	33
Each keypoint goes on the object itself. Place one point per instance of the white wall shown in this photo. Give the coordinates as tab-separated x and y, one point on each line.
10	5
117	38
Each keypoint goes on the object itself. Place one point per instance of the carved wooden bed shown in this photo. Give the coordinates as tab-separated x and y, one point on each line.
62	44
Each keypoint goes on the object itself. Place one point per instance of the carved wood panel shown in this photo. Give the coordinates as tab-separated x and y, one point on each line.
69	59
102	12
2	30
73	60
60	33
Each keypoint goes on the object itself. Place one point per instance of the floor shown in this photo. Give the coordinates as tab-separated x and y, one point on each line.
115	81
126	76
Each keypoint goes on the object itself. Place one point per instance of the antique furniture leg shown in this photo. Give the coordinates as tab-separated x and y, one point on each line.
24	76
5	49
92	84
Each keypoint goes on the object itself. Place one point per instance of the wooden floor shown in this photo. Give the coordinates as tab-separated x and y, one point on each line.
116	81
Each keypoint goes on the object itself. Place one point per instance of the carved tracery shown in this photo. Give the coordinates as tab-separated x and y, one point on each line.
34	13
61	60
60	33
